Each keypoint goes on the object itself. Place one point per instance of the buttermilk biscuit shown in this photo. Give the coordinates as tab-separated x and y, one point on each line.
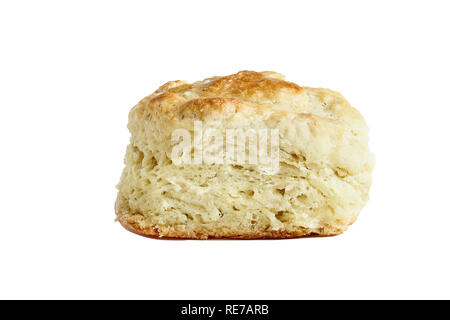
318	186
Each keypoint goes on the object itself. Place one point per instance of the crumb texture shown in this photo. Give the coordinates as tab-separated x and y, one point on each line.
321	186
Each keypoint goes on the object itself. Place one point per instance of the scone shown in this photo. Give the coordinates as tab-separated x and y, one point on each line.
244	156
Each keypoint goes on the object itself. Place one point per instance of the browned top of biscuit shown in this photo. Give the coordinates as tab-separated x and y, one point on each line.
263	93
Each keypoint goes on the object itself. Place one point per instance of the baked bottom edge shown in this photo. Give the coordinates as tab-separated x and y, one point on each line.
179	232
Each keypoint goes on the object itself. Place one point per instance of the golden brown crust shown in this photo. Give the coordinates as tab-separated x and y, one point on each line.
204	107
248	84
259	93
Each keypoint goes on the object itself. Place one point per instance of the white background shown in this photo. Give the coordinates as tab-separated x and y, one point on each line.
71	70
